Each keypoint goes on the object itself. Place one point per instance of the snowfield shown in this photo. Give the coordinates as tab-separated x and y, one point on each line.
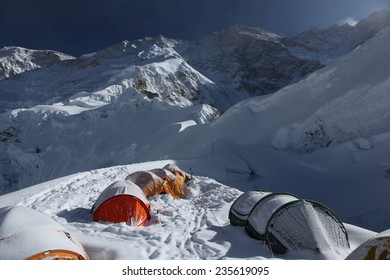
73	126
196	227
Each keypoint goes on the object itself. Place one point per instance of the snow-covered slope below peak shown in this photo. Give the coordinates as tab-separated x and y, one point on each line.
345	100
16	60
46	142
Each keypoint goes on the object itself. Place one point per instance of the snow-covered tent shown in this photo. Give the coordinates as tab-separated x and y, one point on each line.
28	234
243	205
149	182
176	171
288	224
122	201
172	184
262	211
306	226
375	248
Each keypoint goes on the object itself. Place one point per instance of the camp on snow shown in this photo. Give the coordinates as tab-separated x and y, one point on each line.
287	223
375	248
122	201
26	234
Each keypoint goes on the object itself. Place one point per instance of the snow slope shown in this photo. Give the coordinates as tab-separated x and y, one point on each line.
325	138
331	140
196	227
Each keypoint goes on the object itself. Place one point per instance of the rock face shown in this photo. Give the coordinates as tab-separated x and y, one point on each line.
249	61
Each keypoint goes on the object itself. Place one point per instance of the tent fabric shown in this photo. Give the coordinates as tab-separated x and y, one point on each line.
163	173
287	223
56	255
122	201
176	171
263	210
243	205
150	183
305	225
159	181
143	178
375	248
28	234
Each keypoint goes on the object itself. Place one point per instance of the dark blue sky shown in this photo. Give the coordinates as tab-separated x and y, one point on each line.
83	26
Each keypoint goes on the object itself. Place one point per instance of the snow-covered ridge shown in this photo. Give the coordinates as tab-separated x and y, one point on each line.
220	69
16	60
152	66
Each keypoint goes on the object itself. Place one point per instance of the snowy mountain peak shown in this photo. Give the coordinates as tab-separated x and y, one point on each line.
16	60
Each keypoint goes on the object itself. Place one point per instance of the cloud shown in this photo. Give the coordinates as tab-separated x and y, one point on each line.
349	20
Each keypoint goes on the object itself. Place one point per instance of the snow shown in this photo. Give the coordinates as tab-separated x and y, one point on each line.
245	203
196	227
263	211
326	138
25	232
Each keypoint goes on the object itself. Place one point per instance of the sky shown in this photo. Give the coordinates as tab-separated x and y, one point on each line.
82	26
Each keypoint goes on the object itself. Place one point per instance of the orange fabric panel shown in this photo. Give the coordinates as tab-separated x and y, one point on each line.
123	208
58	254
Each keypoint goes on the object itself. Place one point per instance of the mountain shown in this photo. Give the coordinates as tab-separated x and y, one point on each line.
247	61
337	40
220	69
324	137
151	99
343	101
16	60
151	66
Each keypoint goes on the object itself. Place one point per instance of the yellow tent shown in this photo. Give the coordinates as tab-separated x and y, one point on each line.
375	248
159	181
176	171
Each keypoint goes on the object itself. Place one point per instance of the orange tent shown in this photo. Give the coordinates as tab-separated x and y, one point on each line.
122	201
30	235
